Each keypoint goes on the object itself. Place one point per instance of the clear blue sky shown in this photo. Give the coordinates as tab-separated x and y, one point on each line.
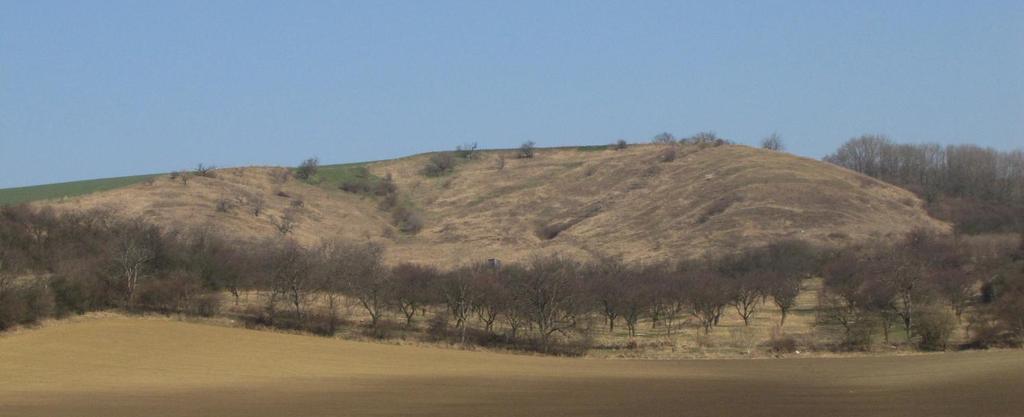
110	88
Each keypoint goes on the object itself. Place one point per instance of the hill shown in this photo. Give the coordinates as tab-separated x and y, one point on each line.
577	201
119	366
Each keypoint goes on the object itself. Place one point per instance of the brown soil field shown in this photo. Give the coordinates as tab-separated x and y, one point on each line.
117	366
604	202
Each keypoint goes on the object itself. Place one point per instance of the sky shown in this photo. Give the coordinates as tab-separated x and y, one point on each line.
111	88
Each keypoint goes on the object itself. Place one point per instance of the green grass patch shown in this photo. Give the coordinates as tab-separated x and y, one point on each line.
67	189
354	178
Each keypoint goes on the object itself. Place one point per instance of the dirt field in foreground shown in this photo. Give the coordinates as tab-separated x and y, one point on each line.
153	367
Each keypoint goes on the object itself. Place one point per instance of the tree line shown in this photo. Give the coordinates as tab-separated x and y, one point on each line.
979	189
59	264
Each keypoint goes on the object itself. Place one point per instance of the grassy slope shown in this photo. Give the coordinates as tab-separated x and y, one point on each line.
67	189
130	366
602	201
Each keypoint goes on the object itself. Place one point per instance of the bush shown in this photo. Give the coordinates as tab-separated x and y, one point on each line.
664	139
437	327
466	151
224	205
620	145
439	164
406	219
860	337
935	326
551	231
25	305
667	154
205	305
205	171
705	138
782	344
75	295
308	168
527	149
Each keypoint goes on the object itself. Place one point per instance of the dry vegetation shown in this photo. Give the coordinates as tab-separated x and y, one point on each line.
129	366
615	201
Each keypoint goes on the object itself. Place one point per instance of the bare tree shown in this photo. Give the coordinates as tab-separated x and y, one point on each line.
844	300
773	142
368	281
205	171
957	287
704	293
132	257
466	150
785	265
741	274
412	287
604	280
551	294
279	261
338	262
664	138
491	298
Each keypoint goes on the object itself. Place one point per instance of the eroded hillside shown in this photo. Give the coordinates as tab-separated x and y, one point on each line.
579	202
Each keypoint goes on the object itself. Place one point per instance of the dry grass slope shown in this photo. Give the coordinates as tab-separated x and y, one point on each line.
580	203
119	366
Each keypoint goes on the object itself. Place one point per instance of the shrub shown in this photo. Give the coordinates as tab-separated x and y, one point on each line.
860	337
437	327
70	296
705	138
26	305
466	151
664	138
620	145
439	164
205	171
935	326
183	176
527	149
224	205
782	343
406	219
551	231
667	154
308	168
205	305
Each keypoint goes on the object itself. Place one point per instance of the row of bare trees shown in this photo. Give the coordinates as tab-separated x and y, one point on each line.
981	189
923	284
59	264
